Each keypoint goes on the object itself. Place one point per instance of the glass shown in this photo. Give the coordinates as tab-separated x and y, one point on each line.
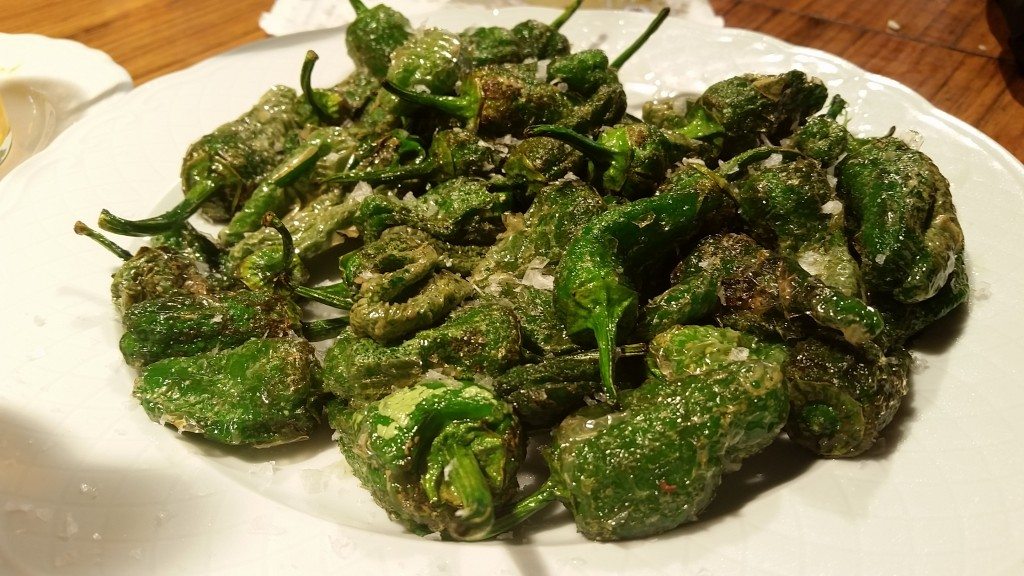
6	136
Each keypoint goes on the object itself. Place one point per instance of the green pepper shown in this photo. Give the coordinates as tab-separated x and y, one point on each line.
792	207
629	160
477	339
822	137
296	181
840	399
374	35
262	393
453	153
535	162
531	39
543	393
741	285
494	101
656	463
438	456
557	214
543	332
188	324
341	102
901	217
461	210
734	114
221	169
904	321
593	290
313	228
386	310
153	272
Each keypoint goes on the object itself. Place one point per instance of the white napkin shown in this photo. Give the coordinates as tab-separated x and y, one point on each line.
289	16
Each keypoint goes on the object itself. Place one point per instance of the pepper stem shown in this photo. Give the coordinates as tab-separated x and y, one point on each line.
460	107
566	14
82	230
339	295
375	177
320	330
165	222
585	145
468	482
835	107
522	510
736	166
287	246
639	42
358	6
306	82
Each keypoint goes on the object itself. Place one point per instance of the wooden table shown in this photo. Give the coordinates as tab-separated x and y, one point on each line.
953	52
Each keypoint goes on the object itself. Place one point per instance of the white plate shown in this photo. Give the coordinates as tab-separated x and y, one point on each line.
89	485
46	84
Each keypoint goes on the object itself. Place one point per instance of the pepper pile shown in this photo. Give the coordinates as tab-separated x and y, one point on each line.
511	255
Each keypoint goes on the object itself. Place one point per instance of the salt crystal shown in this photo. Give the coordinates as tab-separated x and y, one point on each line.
832	207
739	354
360	191
893	25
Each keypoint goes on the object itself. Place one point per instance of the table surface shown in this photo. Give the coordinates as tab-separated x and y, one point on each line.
952	52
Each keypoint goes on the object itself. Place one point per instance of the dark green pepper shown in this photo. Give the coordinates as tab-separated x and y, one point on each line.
374	35
189	324
629	160
901	218
262	393
153	272
461	210
840	399
531	39
656	463
438	456
792	207
741	285
222	168
593	290
494	101
478	339
734	114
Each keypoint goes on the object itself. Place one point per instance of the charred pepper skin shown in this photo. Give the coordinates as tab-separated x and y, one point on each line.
494	101
189	324
841	400
153	271
453	153
672	441
732	279
262	393
438	456
901	218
